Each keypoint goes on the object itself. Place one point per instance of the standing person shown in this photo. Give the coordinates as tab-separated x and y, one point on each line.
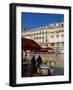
39	61
33	63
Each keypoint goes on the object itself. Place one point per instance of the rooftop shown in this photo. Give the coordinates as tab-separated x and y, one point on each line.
49	26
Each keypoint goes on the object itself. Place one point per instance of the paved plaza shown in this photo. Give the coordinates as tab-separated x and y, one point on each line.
58	70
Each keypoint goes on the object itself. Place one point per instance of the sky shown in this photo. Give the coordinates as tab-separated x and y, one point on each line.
33	20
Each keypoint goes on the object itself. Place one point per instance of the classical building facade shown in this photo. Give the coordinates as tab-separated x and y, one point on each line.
51	35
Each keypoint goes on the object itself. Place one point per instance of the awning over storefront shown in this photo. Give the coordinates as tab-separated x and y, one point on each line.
28	44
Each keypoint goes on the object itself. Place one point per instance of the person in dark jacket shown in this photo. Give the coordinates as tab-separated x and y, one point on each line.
39	61
33	63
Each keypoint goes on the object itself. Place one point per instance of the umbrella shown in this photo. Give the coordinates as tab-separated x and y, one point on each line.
28	44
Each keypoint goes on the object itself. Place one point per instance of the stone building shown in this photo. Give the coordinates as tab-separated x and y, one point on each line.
51	35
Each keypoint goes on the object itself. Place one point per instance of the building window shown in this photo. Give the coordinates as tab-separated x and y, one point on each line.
57	36
52	36
58	43
62	43
61	30
52	44
62	35
57	32
62	24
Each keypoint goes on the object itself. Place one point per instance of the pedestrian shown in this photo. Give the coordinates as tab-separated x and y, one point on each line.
39	61
33	63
